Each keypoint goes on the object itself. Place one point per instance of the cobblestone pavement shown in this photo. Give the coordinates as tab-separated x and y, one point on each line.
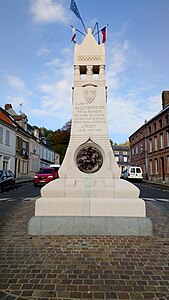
69	267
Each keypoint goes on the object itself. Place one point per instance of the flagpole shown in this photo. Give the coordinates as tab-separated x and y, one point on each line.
98	36
74	8
101	29
83	25
77	30
94	28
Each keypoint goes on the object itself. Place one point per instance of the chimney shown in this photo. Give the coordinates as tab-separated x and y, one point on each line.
8	106
165	99
9	109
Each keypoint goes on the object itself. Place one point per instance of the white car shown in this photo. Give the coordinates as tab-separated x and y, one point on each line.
133	173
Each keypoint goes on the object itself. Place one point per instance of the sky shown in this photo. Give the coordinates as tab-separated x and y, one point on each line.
36	59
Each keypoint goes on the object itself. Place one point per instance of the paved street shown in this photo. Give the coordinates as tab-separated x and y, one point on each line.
11	200
44	268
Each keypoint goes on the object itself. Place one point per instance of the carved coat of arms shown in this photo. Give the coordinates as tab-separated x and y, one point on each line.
89	92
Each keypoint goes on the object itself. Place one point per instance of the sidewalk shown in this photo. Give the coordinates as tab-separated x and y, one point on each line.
156	183
23	180
69	267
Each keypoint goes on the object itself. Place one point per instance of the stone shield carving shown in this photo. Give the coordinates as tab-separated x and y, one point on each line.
89	93
89	160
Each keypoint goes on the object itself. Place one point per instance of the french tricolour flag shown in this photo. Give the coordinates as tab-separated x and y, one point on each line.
103	31
74	35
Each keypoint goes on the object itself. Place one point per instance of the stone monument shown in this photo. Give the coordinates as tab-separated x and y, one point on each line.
89	198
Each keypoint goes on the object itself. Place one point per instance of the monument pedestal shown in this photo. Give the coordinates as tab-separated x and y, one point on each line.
83	207
89	198
90	226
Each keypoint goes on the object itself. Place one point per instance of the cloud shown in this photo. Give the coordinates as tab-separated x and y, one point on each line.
43	51
126	114
48	11
54	62
16	101
54	106
16	83
127	106
18	93
116	63
55	91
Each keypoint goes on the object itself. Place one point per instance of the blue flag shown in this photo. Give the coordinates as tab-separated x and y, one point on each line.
74	8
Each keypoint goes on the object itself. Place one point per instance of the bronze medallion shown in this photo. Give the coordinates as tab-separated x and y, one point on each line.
89	160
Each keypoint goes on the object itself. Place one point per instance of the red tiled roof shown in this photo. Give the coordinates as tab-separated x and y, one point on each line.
5	118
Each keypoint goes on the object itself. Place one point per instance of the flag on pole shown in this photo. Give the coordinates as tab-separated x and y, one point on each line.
74	35
98	35
74	8
103	31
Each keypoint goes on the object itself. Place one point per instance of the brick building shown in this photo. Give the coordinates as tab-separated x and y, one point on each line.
150	145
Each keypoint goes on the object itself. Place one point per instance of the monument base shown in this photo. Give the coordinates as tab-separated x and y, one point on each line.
90	216
90	206
90	226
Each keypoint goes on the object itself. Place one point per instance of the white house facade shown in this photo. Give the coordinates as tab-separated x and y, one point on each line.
7	144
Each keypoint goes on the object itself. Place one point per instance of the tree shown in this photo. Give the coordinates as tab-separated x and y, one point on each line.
127	143
58	139
62	137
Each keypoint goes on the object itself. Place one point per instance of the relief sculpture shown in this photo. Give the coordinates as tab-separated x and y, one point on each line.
89	160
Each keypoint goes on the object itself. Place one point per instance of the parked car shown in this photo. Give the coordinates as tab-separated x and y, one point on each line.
55	167
45	175
133	173
7	180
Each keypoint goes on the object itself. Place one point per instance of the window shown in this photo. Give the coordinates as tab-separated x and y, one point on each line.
132	151
5	165
7	139
136	149
83	72
24	145
150	145
17	142
168	138
1	135
141	147
154	126
160	123
167	120
125	158
24	167
156	166
155	143
151	167
161	140
124	152
149	129
24	148
168	164
116	152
